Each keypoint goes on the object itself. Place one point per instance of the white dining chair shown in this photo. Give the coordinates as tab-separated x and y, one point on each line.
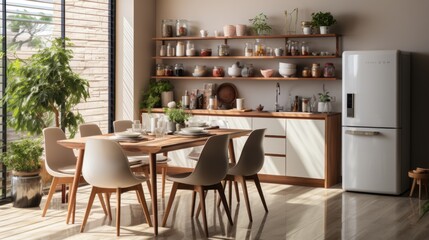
60	164
106	168
211	168
162	161
247	168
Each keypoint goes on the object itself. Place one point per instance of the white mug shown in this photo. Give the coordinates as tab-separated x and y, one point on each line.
240	103
203	33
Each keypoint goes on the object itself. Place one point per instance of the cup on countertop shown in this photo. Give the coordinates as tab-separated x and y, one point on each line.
136	126
240	103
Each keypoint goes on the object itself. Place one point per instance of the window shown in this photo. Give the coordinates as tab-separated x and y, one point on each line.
28	25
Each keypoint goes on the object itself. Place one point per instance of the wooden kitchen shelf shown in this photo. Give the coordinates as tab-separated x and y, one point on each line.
248	37
247	78
244	57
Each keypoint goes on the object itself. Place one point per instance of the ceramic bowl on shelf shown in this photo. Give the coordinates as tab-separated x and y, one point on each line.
287	72
267	72
229	30
198	74
287	65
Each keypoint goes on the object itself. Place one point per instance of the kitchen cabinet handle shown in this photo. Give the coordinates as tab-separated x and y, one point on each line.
362	133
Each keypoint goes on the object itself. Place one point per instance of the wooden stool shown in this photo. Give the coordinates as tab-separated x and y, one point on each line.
421	177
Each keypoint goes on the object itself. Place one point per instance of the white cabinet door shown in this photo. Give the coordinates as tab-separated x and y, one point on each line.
305	143
274	165
274	126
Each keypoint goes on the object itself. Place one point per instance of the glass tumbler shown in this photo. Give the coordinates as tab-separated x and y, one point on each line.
137	126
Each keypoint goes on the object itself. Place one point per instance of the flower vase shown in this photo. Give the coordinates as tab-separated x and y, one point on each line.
291	21
324	107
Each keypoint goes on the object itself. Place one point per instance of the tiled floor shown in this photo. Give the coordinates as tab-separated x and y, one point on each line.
294	213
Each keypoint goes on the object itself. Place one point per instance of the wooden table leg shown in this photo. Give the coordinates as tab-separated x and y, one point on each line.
232	158
75	185
152	166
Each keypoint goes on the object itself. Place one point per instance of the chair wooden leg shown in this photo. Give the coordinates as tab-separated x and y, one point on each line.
229	183
118	211
170	202
63	193
194	194
146	174
164	173
242	180
50	194
261	194
109	210
225	205
237	195
412	187
140	195
223	187
103	205
203	208
88	208
199	206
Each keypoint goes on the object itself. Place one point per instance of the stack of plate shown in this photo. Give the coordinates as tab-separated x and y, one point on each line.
192	131
127	135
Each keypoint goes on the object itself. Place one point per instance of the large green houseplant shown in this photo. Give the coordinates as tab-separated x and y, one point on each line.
260	24
152	97
43	90
23	158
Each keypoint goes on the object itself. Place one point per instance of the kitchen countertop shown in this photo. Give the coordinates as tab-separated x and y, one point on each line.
254	113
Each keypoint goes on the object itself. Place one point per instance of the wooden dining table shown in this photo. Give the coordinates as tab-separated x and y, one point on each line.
151	146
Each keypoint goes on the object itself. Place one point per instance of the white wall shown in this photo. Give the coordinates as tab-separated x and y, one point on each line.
365	25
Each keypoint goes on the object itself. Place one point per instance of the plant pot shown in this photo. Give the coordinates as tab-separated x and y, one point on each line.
324	29
166	97
324	107
171	126
26	190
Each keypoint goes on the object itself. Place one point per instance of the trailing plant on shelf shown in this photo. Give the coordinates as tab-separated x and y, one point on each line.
260	25
43	90
152	97
324	104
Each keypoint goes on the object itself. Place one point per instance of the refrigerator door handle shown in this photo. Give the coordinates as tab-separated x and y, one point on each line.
362	133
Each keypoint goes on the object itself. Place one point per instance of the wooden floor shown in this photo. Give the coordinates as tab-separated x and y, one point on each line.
294	213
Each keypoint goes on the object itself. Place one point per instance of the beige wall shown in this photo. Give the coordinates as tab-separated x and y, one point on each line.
365	25
134	48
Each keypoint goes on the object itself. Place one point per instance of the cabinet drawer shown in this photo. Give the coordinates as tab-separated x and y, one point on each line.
274	126
274	166
275	145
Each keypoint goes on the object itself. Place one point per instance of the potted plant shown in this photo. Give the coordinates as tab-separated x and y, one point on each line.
324	104
323	20
159	94
260	25
176	117
43	90
23	158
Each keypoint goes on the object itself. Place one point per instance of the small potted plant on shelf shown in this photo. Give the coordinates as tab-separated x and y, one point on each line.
323	20
23	158
176	117
159	94
260	25
324	104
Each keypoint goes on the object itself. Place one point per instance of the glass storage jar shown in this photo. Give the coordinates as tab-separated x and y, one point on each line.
305	49
259	48
306	72
180	49
159	70
181	28
206	52
329	70
190	50
163	51
179	71
248	50
218	71
167	28
315	70
168	70
223	50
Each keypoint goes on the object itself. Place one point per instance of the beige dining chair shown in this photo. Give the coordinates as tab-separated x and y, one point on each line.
60	164
211	168
124	125
247	168
106	168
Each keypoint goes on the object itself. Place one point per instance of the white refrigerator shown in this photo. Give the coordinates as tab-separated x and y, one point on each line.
376	121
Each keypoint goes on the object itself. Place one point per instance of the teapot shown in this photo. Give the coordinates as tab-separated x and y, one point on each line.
234	70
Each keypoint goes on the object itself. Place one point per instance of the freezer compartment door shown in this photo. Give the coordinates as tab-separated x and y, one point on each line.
370	89
371	160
